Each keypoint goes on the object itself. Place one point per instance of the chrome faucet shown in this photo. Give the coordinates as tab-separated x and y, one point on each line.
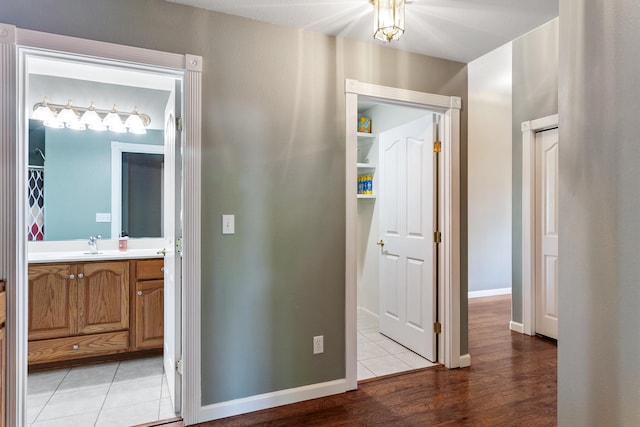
93	243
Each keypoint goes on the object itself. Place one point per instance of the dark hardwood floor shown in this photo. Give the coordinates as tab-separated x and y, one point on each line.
511	382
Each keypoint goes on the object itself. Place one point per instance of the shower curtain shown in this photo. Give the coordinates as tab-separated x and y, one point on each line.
35	214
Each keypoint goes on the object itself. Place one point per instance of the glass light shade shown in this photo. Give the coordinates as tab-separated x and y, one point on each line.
43	112
388	19
134	123
67	115
90	117
113	119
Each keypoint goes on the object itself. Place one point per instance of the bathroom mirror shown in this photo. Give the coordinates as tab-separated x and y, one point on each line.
74	189
72	181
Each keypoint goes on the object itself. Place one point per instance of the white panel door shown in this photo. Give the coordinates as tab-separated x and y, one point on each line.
172	227
407	222
547	233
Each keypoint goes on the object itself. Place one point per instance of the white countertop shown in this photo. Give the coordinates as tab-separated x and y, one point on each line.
41	257
78	250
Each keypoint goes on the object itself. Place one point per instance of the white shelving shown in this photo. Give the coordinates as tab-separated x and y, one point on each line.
367	160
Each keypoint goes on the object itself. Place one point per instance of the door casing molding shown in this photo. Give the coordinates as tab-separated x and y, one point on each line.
529	130
13	251
449	216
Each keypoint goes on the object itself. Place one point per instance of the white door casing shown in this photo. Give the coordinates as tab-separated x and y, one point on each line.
14	42
546	237
407	222
449	218
529	131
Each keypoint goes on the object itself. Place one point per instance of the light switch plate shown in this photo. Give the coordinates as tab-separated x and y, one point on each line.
228	224
103	217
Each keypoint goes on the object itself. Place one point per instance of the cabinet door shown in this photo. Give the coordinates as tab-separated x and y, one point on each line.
103	297
52	301
149	314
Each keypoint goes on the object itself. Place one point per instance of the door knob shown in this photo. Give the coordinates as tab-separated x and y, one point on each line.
80	275
380	242
71	276
139	292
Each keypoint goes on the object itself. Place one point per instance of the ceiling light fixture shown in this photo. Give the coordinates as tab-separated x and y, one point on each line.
388	19
59	116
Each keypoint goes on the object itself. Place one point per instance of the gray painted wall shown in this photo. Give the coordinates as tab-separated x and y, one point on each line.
273	155
535	95
599	208
489	169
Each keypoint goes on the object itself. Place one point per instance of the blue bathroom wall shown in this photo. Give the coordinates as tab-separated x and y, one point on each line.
77	180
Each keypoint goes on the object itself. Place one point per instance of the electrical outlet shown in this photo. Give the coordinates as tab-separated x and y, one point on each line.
318	344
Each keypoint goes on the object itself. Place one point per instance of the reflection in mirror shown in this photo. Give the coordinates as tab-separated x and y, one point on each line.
70	182
142	194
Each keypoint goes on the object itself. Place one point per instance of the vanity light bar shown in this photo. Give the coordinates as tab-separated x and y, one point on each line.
58	115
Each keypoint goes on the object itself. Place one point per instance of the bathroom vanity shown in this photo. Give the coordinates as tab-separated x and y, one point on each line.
94	307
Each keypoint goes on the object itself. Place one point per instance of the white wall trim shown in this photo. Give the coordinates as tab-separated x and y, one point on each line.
13	256
489	293
449	249
529	130
271	400
516	327
465	361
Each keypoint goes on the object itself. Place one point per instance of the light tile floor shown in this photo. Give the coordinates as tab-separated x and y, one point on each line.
110	394
379	355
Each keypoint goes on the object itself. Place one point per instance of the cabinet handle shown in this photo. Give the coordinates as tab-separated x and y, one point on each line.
162	269
76	347
80	276
71	276
139	292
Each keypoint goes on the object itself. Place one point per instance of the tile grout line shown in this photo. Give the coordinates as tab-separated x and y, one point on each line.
115	372
50	397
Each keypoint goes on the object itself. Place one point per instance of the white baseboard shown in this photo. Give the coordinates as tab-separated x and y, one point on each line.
270	400
465	360
516	327
489	293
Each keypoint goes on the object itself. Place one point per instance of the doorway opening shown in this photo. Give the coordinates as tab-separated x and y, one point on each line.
441	325
397	266
103	297
540	227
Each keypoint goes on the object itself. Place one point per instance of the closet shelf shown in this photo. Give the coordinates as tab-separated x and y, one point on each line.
366	196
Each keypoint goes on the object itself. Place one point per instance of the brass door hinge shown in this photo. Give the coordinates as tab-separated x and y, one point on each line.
437	237
437	328
179	123
179	367
437	147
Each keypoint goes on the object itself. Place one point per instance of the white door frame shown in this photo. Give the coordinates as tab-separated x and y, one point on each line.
529	130
449	214
13	247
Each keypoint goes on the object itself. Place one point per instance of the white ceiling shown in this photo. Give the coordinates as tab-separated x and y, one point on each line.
459	30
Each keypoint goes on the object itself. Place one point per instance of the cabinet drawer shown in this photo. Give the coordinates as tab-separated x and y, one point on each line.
54	350
150	269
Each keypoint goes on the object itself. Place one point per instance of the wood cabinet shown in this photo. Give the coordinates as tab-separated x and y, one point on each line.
3	354
77	310
95	309
148	306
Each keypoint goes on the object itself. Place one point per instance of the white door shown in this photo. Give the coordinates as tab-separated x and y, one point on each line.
407	222
547	233
172	225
